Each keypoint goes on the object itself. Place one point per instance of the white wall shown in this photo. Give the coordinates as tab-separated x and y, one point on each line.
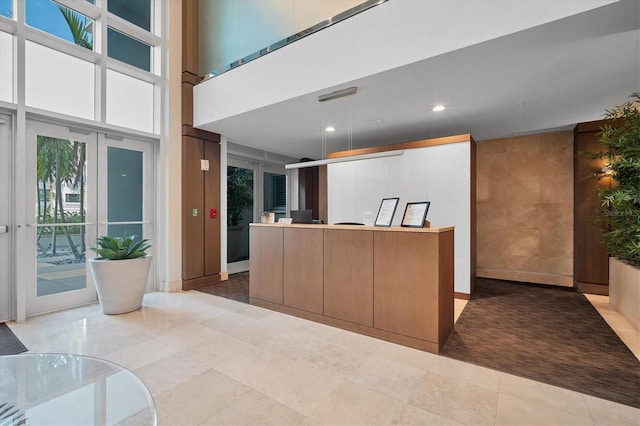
229	30
58	82
129	102
367	44
439	174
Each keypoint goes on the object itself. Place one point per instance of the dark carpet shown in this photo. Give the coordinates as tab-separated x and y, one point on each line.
236	287
9	343
551	335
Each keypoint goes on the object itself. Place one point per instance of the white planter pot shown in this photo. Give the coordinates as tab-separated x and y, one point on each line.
624	290
120	283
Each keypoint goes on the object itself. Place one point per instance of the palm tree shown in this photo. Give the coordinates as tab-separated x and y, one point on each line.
81	154
57	163
79	26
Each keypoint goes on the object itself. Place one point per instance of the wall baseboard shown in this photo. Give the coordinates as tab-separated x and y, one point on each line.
463	296
525	276
200	282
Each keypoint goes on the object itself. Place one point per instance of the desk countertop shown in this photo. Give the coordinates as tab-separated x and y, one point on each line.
435	230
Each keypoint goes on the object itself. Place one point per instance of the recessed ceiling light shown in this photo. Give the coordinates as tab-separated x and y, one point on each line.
438	108
330	129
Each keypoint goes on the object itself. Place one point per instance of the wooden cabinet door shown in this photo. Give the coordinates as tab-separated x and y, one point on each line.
266	278
303	259
348	275
192	209
406	283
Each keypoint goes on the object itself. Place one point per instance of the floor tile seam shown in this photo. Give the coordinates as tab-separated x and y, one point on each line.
365	385
590	408
464	381
261	391
519	394
401	363
548	408
408	364
249	383
441	415
238	401
208	415
109	357
457	382
306	363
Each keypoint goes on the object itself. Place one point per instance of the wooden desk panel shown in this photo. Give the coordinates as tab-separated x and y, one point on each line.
446	295
392	283
348	275
303	272
265	280
406	284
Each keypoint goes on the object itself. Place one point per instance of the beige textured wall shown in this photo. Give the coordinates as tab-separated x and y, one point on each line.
525	208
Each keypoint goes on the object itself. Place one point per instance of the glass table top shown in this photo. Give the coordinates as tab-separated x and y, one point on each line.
66	389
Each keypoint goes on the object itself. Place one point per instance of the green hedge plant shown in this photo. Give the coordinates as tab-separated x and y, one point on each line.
621	202
120	248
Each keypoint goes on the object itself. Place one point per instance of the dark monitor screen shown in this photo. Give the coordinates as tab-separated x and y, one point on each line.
301	216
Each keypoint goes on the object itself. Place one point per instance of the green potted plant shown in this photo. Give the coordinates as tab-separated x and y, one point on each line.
120	273
621	206
239	199
239	194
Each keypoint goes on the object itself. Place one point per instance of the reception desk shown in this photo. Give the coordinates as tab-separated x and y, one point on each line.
392	283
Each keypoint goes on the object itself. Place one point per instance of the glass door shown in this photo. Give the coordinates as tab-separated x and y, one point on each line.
84	184
63	209
6	256
241	188
125	189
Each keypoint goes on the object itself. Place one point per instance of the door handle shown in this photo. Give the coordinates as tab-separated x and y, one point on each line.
4	229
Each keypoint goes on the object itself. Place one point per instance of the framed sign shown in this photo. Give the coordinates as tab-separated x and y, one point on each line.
386	211
415	214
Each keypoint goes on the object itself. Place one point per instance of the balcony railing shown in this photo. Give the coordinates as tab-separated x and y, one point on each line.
295	37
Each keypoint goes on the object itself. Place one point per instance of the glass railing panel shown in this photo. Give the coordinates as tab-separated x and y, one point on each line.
234	32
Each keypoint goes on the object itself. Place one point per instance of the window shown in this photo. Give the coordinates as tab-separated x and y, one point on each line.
279	191
72	198
129	50
6	8
137	12
60	21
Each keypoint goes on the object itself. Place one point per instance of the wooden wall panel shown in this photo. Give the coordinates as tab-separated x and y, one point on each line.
201	190
348	275
303	271
266	279
190	36
308	190
212	201
524	210
323	208
192	226
591	260
446	270
405	284
187	100
402	145
474	215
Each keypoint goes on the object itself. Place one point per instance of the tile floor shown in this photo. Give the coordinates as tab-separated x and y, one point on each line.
209	360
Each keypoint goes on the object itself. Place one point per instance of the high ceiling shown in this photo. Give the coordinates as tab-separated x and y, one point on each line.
546	78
